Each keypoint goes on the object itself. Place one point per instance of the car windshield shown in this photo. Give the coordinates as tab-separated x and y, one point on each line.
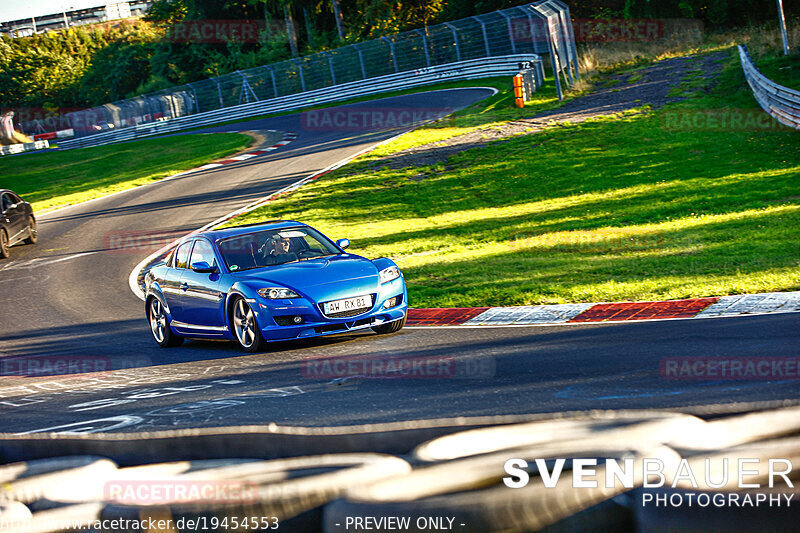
274	247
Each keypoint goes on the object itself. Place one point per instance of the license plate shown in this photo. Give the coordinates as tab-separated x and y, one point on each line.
348	304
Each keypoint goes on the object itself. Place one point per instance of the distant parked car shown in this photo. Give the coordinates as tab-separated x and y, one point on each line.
18	224
277	281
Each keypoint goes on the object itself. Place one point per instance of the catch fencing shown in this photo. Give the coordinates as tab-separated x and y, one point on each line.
782	103
542	29
465	70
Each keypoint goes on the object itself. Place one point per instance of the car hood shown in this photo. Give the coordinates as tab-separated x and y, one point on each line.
323	278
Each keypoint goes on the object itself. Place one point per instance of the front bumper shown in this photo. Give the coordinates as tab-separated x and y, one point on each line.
315	324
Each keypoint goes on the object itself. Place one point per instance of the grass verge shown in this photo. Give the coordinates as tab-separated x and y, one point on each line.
620	208
52	179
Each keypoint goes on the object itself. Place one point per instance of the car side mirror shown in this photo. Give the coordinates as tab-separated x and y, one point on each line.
203	268
343	243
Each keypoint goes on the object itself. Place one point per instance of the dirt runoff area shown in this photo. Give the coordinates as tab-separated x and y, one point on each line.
617	93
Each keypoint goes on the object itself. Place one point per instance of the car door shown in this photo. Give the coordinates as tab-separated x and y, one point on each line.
170	285
13	217
200	299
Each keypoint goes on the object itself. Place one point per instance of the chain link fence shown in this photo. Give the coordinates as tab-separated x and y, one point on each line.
542	28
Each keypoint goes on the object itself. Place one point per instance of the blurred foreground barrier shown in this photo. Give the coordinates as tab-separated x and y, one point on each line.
428	475
24	147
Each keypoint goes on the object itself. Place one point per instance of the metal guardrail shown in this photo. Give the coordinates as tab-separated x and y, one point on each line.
543	28
464	70
782	103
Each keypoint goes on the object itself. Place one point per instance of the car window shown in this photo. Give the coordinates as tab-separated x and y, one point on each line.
6	201
182	255
203	252
14	198
274	247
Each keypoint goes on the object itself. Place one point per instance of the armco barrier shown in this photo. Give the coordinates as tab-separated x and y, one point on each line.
782	103
26	147
463	70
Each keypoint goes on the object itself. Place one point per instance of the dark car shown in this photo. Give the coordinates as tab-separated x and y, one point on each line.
18	224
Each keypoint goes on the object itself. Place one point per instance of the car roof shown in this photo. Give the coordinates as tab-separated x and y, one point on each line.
249	228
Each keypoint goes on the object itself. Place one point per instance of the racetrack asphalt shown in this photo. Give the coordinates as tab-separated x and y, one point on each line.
67	299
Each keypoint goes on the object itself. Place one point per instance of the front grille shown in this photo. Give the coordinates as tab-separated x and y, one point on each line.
330	328
349	313
352	312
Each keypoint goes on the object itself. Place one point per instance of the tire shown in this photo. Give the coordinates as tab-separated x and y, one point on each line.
33	232
245	327
159	326
3	244
391	327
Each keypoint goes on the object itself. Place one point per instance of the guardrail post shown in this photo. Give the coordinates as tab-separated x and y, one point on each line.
485	36
391	51
274	83
554	59
196	99
569	38
300	71
455	40
510	31
571	45
782	20
361	60
245	88
330	63
219	91
425	47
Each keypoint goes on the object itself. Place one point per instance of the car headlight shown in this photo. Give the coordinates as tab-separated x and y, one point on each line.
388	274
277	293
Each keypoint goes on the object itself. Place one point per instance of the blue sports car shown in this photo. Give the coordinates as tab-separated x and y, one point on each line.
274	281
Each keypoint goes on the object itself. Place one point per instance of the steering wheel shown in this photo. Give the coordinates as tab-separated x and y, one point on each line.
310	252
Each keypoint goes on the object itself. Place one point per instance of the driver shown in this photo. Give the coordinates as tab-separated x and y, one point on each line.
278	249
281	245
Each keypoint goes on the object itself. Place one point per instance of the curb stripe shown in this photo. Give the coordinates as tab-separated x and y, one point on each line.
644	310
289	137
442	316
529	315
775	302
711	307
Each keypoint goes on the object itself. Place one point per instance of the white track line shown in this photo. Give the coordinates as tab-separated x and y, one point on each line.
151	183
42	261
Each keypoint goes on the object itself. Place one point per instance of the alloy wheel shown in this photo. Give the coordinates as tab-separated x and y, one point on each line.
158	321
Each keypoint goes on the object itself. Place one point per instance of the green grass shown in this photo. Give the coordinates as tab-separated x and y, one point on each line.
53	179
620	208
